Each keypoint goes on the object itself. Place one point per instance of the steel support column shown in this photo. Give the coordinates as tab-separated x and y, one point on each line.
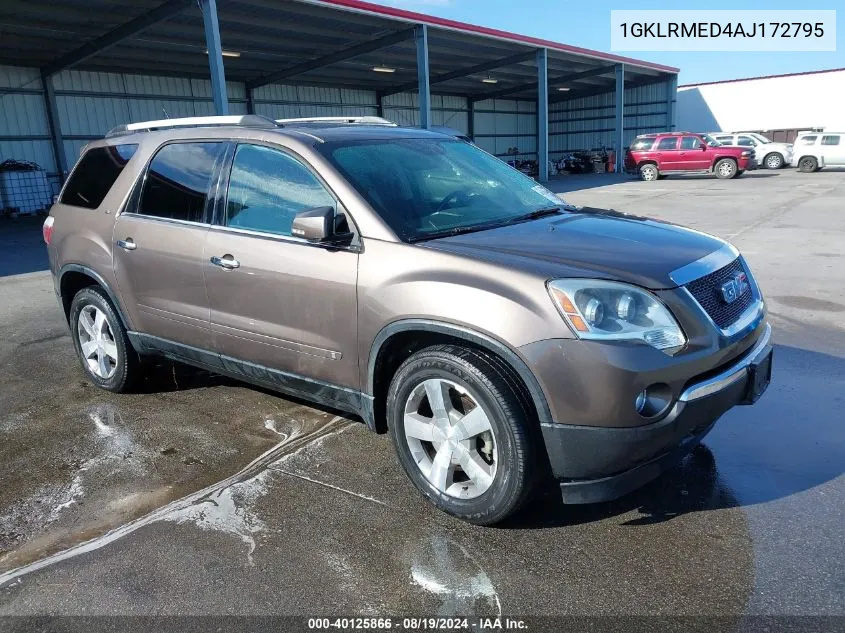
250	100
671	95
421	37
215	56
379	105
543	115
55	128
619	134
471	120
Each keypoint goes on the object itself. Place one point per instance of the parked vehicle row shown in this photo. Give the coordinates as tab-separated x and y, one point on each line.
770	155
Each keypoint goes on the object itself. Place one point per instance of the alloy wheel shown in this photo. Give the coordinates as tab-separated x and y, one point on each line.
97	342
726	169
450	438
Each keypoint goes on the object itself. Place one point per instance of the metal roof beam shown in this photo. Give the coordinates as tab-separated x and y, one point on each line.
635	83
333	58
463	72
115	36
593	72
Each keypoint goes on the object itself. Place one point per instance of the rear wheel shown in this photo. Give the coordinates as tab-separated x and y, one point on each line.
808	164
725	168
100	341
773	161
649	172
461	433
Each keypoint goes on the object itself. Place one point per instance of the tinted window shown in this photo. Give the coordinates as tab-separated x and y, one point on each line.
670	142
744	141
642	144
267	188
830	140
178	181
95	174
690	142
728	140
427	187
807	140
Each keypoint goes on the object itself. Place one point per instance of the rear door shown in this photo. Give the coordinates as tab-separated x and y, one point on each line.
159	240
276	300
666	153
833	149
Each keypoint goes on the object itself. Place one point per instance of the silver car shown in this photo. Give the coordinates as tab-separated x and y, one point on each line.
769	154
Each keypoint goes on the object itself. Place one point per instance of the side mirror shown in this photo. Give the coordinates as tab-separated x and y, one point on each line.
321	225
704	147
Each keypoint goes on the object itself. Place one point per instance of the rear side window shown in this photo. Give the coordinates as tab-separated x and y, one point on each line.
641	144
807	140
670	142
830	140
179	179
95	174
267	188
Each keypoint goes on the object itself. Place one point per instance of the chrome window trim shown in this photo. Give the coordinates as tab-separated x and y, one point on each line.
289	239
704	266
156	218
728	377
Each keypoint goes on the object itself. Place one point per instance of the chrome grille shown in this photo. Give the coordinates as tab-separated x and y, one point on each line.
707	291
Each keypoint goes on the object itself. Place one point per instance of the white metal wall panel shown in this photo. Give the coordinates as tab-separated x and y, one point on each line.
774	103
503	124
39	152
280	101
23	118
16	77
22	115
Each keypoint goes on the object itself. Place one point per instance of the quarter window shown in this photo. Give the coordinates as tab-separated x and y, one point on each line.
690	142
179	179
95	174
670	142
641	144
267	188
830	140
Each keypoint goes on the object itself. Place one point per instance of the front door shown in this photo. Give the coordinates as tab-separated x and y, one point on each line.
277	301
159	240
692	154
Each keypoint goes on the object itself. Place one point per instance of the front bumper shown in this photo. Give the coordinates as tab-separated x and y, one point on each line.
602	463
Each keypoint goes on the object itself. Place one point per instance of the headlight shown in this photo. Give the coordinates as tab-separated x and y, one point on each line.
608	310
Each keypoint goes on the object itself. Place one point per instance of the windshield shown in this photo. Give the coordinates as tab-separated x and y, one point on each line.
430	187
712	142
759	137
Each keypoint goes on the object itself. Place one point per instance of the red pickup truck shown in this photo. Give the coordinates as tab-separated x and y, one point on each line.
655	156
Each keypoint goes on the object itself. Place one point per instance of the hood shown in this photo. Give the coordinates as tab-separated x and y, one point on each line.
773	146
588	243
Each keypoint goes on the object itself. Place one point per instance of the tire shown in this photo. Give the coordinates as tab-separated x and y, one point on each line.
109	359
808	164
497	446
774	161
725	168
649	172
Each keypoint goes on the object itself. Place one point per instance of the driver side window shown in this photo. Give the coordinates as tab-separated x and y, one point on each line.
746	141
267	188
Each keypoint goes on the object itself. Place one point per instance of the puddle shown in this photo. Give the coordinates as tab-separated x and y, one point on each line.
225	506
448	570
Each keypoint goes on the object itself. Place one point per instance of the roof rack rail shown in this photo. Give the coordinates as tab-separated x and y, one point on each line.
359	120
245	120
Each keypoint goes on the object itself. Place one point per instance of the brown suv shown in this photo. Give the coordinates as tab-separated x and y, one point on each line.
502	337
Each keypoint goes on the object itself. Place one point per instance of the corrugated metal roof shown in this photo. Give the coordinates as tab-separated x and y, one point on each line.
274	35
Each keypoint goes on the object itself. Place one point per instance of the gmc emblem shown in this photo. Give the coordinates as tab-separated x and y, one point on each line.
733	289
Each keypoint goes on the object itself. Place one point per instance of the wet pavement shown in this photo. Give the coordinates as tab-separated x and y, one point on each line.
205	496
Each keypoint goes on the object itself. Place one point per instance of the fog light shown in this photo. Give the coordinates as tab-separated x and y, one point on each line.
654	400
639	403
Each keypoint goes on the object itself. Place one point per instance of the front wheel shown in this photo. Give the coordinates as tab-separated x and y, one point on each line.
808	164
725	168
461	433
773	161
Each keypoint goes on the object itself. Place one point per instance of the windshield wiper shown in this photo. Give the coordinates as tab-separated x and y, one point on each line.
537	214
458	230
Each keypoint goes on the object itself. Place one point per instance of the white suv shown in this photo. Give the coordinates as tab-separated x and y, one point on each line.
814	150
769	154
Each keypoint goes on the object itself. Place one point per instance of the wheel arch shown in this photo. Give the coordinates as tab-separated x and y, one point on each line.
74	277
399	339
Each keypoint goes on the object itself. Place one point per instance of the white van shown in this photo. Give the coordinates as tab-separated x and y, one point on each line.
814	150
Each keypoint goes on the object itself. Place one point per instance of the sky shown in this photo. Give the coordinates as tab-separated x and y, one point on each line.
586	23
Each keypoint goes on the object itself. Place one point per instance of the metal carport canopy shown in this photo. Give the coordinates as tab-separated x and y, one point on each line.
336	43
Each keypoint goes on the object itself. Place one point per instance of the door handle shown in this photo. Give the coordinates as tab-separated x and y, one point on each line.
128	244
227	262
